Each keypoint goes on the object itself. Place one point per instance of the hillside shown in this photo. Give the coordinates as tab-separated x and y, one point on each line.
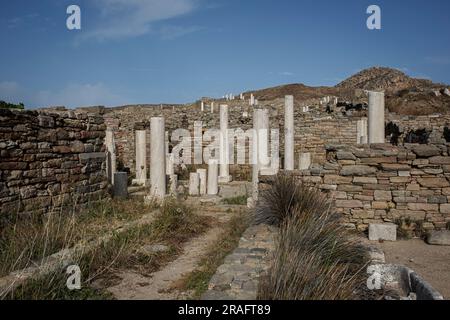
379	78
404	94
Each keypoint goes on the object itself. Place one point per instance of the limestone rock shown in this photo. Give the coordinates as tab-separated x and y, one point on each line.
384	232
439	238
358	170
423	150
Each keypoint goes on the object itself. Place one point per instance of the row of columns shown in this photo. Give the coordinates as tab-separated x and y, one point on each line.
371	131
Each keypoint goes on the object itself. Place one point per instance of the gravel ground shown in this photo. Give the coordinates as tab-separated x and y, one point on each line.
431	262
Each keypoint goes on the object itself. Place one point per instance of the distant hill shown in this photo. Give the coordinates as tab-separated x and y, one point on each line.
404	94
387	79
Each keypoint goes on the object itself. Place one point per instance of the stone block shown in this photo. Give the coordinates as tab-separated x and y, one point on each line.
358	170
349	204
381	195
440	238
382	232
433	182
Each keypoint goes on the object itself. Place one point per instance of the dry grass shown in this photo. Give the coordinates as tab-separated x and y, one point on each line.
23	242
174	225
198	280
316	258
276	203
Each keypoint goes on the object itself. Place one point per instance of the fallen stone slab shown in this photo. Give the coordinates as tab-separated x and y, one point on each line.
439	238
382	232
404	280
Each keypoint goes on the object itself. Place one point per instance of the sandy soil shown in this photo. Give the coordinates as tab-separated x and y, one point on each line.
431	262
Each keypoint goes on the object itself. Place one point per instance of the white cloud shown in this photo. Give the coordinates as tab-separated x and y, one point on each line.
79	95
172	32
71	96
133	18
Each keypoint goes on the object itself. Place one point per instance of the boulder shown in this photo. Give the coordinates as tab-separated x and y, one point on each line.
439	238
424	150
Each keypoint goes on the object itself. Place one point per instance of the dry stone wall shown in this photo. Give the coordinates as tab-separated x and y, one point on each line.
50	159
385	183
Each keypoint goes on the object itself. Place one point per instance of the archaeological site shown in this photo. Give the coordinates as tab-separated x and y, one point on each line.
163	165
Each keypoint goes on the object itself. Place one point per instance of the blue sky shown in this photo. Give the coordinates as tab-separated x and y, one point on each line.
176	51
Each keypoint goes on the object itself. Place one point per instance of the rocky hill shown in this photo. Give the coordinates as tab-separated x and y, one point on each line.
387	79
404	94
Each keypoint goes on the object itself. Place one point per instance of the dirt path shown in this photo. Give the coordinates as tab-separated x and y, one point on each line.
134	286
431	262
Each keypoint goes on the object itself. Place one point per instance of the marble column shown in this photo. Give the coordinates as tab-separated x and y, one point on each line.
362	130
213	175
202	178
194	184
224	146
170	164
158	158
111	155
173	185
141	158
261	126
376	117
289	133
304	161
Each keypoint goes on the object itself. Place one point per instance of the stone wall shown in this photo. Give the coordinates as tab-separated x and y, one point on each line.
384	183
50	159
313	130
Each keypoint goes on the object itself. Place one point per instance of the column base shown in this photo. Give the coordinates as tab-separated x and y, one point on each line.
226	179
140	182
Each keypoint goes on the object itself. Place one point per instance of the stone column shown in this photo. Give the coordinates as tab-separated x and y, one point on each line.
120	188
361	128
252	100
213	175
202	178
202	106
212	107
194	182
158	158
111	157
289	133
170	163
304	161
141	158
224	146
261	127
376	117
173	185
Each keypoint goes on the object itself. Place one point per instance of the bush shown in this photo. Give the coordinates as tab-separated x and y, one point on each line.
315	258
276	204
6	105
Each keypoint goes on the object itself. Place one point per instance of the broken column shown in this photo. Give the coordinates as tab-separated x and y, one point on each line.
252	100
170	164
173	185
202	178
376	117
289	133
202	106
158	158
111	156
361	131
261	127
212	107
194	184
224	146
213	176
141	158
304	161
